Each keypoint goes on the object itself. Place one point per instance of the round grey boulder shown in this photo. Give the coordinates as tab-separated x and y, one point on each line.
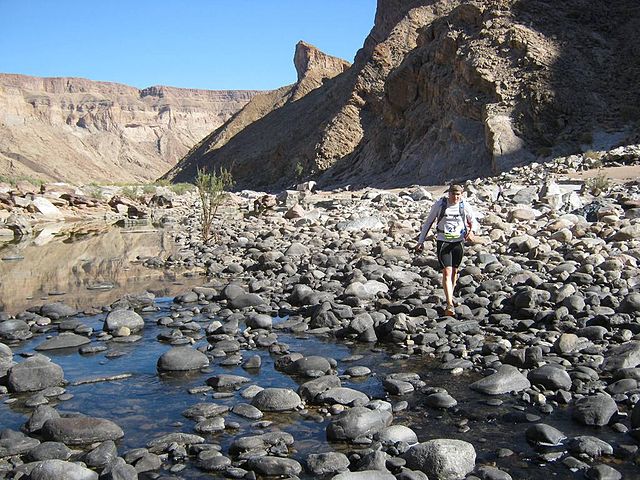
81	430
35	373
276	400
445	459
259	321
57	310
123	318
246	300
14	329
506	379
49	451
358	422
330	463
398	433
59	469
550	377
595	410
181	359
274	466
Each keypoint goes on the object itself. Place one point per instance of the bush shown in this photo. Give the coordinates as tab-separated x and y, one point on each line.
130	191
181	188
598	184
211	190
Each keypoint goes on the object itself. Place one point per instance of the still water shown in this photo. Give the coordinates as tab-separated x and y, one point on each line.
85	265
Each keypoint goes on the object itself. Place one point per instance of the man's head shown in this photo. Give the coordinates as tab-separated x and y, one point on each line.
455	192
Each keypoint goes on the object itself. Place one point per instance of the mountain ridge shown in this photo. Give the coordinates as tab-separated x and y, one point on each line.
79	130
446	89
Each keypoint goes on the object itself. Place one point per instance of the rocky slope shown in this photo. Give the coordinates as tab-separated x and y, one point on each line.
313	68
446	89
79	130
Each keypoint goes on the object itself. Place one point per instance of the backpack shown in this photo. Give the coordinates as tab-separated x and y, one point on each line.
443	208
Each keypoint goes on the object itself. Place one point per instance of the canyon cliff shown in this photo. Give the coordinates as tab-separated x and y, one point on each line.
79	131
446	89
313	68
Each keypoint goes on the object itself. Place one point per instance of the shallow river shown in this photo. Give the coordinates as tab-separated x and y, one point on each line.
147	405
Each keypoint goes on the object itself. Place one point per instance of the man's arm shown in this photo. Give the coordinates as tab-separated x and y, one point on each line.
427	225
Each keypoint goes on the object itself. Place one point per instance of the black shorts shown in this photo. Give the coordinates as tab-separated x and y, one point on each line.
449	253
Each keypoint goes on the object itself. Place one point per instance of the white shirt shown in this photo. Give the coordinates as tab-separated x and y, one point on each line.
452	227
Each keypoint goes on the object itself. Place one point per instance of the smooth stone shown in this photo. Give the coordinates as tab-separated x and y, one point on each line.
592	446
397	433
102	455
61	470
342	396
440	400
357	371
64	340
57	310
358	422
210	425
180	359
118	469
594	410
551	377
486	472
622	356
245	300
49	451
330	463
39	416
226	381
311	389
544	435
274	466
117	319
33	374
81	430
276	400
602	472
442	458
247	411
506	379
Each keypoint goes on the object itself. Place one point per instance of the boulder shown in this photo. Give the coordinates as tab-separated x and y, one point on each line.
35	373
444	459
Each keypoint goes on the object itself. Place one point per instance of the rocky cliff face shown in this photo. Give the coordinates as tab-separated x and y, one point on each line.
77	130
313	68
450	89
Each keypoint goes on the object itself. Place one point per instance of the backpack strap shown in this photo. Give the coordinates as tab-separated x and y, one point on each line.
443	208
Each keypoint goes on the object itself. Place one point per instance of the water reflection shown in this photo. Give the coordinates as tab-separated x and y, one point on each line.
89	264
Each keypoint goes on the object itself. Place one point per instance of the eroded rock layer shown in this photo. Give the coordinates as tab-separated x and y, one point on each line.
78	130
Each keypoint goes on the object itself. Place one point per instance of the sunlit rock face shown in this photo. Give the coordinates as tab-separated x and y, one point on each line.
447	90
78	130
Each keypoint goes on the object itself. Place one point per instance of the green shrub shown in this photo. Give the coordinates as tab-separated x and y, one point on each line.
211	190
21	178
181	188
598	184
130	191
148	189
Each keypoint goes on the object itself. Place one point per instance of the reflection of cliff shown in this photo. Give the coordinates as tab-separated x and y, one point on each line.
74	264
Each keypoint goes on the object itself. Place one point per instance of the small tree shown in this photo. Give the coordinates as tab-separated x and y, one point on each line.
211	190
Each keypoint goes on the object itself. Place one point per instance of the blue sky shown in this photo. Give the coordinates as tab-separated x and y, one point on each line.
209	44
